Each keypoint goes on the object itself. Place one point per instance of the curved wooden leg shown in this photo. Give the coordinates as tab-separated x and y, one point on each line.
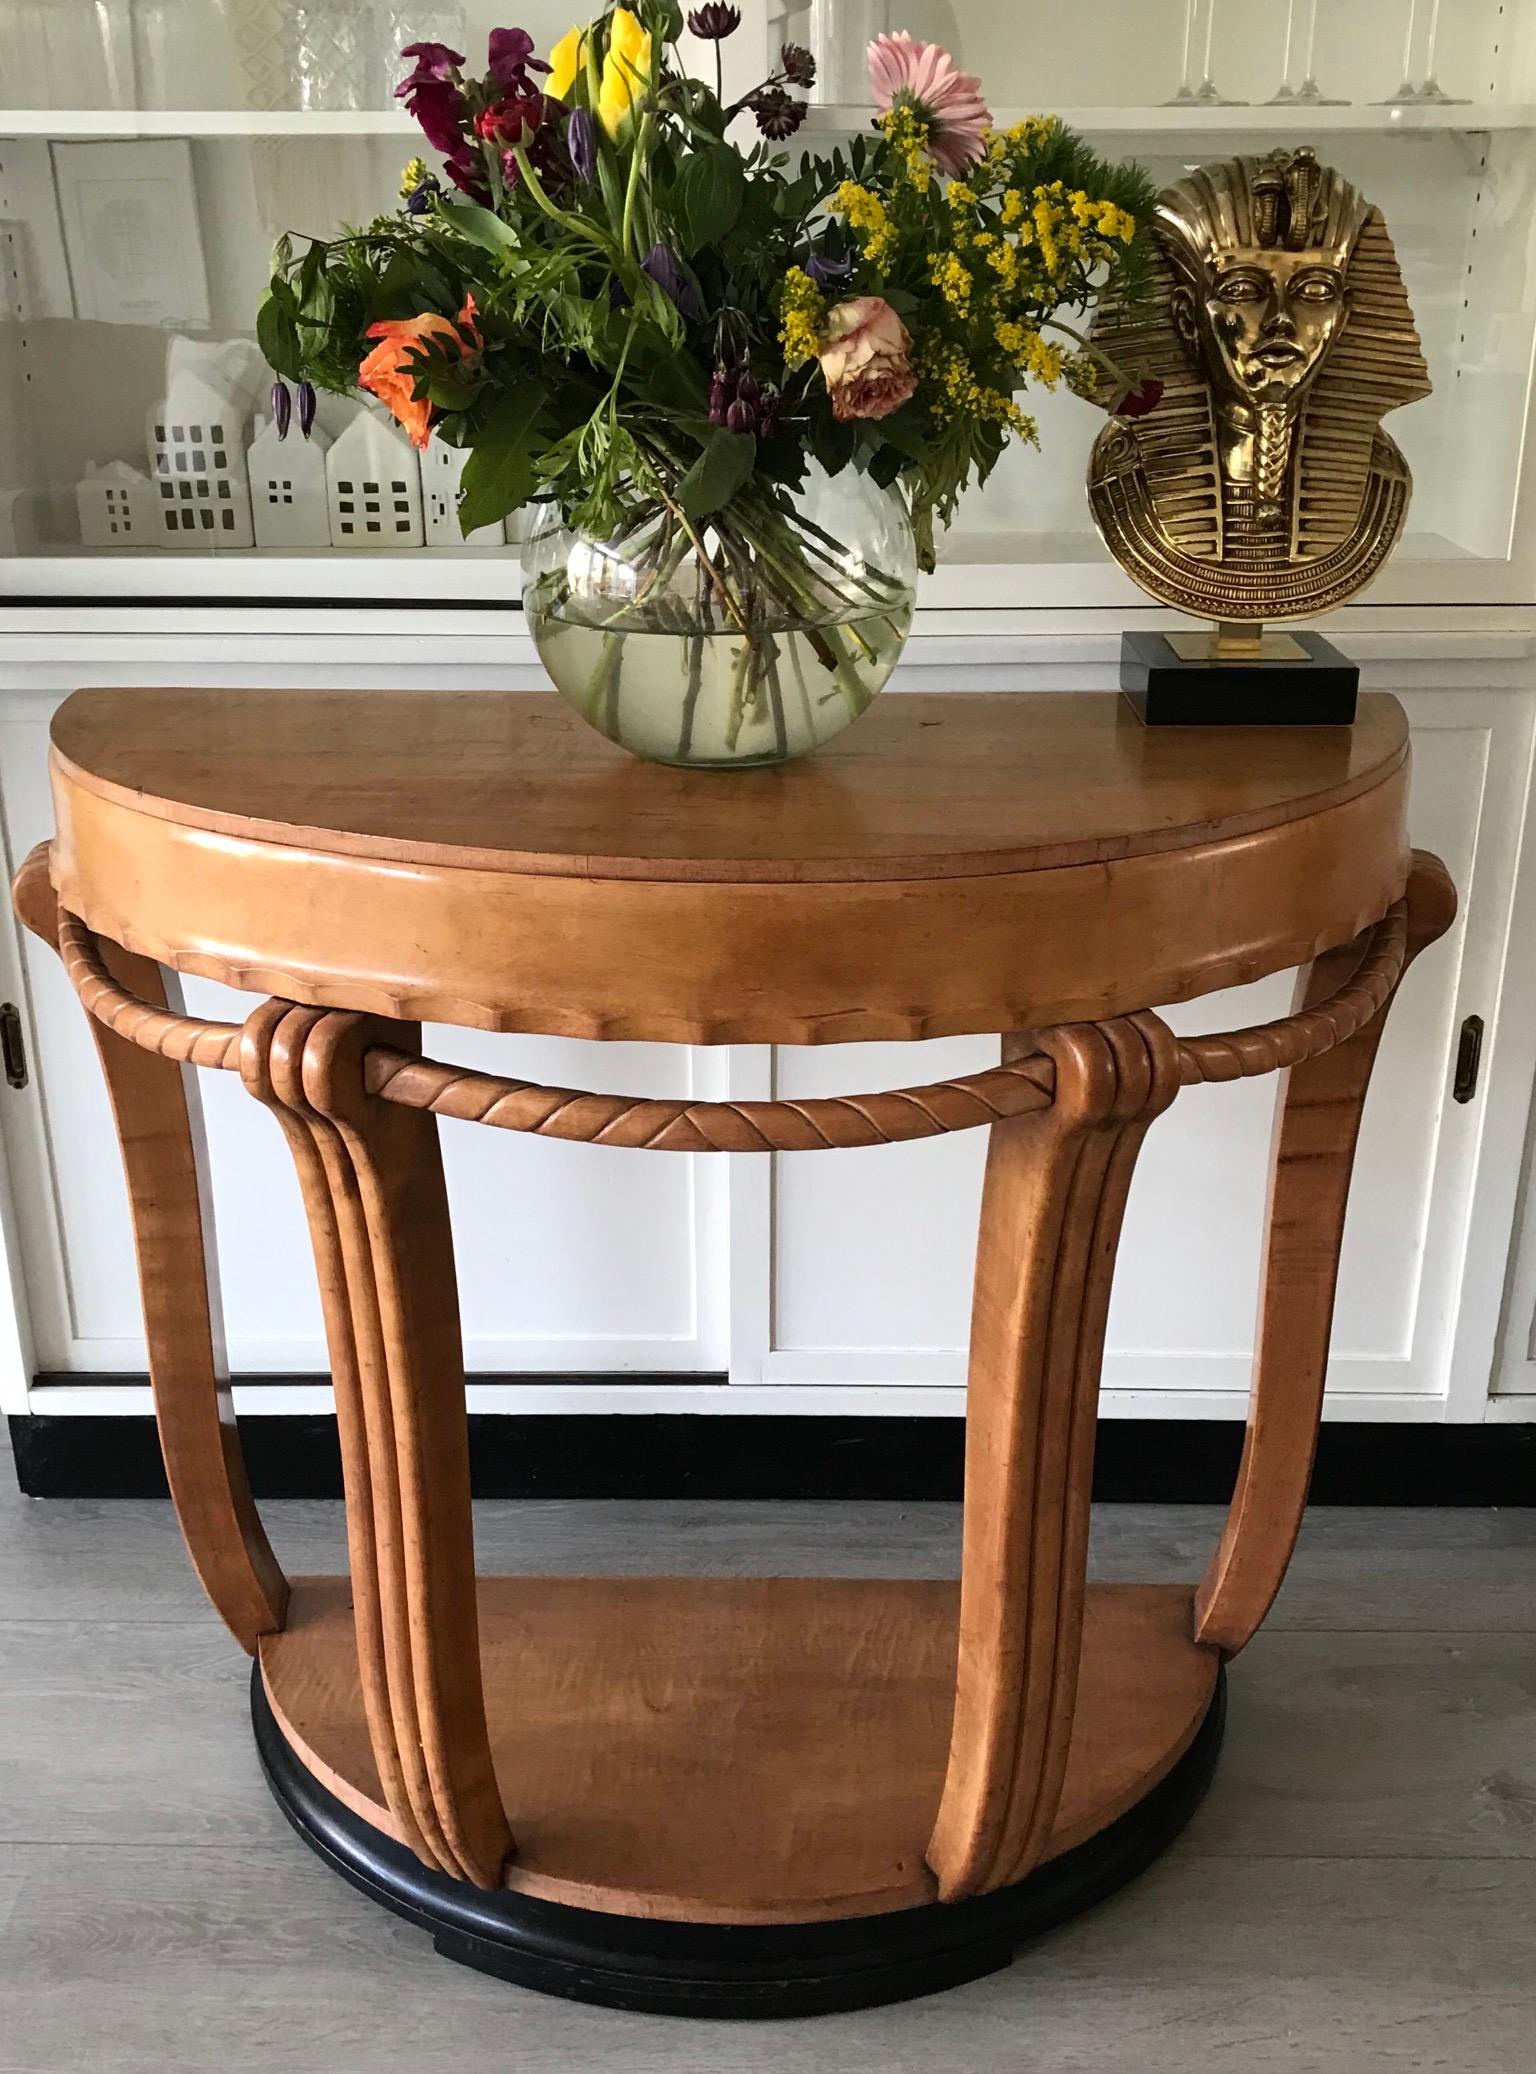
159	1128
1052	1206
271	1064
373	1184
1317	1125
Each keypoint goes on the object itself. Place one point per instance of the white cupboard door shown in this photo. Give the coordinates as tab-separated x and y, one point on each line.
869	1279
573	1259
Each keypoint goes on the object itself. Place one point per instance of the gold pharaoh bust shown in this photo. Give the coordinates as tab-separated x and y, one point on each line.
1261	486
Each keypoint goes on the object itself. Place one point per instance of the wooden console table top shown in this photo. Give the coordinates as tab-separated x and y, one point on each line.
958	862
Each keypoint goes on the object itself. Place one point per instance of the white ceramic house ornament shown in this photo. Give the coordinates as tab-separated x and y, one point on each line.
374	486
118	507
18	522
442	472
197	450
289	500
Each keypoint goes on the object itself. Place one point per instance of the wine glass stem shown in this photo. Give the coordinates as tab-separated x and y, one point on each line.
1312	43
1413	16
1191	9
1434	38
1210	34
1290	35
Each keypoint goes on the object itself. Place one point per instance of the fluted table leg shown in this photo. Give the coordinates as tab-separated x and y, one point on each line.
1052	1206
372	1178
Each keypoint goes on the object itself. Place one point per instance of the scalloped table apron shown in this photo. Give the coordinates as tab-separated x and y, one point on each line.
734	1795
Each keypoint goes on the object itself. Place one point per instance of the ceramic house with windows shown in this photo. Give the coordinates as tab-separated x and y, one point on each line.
289	501
373	481
442	472
18	524
197	455
118	507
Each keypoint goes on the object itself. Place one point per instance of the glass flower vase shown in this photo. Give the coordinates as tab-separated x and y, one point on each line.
750	638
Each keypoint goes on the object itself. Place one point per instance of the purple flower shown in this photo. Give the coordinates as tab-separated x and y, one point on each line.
512	58
307	402
778	114
799	65
738	400
581	143
433	61
282	407
443	114
662	266
826	269
714	21
419	200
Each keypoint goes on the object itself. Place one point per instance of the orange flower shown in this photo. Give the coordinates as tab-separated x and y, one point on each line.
391	370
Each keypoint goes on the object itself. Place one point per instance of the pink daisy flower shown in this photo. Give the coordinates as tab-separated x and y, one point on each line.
903	70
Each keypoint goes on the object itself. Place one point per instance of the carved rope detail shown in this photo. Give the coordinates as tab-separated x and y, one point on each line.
182	1037
816	1124
1267	1047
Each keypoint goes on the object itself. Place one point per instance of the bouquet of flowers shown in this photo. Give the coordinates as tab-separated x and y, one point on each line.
709	364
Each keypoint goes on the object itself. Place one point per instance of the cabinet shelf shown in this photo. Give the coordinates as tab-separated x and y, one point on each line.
1179	121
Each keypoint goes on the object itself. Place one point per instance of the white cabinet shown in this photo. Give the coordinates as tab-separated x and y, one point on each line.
869	1279
815	1282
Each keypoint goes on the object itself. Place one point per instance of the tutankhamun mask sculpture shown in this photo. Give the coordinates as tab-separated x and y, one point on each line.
1262	486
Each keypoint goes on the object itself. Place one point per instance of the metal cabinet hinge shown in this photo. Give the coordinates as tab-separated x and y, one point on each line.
13	1044
1469	1055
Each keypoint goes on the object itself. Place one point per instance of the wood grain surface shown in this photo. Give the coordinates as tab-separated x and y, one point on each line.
741	1750
805	958
930	785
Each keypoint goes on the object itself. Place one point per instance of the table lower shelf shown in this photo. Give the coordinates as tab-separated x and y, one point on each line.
740	1750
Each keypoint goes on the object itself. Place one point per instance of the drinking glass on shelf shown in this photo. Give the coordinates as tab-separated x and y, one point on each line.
1208	94
182	54
1286	92
62	54
1432	91
1407	94
1310	93
1186	92
423	24
336	56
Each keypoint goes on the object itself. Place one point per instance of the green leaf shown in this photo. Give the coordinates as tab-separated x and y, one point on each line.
278	337
720	471
707	198
907	431
482	227
500	473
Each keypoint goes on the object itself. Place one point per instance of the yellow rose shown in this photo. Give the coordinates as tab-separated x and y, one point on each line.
567	58
626	70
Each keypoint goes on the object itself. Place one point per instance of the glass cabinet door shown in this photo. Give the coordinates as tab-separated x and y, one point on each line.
151	150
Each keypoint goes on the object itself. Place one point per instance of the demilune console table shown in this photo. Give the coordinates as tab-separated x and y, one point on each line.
727	1795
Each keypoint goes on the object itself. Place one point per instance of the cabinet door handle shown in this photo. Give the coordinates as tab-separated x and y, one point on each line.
13	1044
1469	1055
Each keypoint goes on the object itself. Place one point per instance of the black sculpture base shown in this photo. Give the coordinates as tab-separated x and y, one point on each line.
689	1969
1166	689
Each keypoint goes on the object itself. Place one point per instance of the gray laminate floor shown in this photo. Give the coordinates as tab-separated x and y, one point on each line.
1358	1893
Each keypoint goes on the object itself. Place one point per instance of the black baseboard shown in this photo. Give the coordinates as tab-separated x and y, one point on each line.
692	1455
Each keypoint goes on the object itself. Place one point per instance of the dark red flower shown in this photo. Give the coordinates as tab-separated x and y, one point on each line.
1146	395
714	21
466	169
512	58
443	114
433	61
778	114
512	121
799	64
